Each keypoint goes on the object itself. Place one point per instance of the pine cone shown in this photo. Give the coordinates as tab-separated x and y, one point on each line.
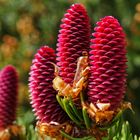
73	40
107	81
8	96
43	96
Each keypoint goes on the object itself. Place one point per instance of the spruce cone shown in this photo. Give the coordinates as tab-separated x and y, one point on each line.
107	82
8	96
73	40
43	96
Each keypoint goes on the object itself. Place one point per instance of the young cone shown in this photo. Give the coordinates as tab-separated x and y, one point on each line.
43	96
8	104
8	96
73	40
107	81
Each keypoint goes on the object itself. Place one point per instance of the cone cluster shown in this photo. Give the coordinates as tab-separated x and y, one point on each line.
106	82
101	81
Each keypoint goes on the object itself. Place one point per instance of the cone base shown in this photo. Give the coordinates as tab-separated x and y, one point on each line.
102	116
10	132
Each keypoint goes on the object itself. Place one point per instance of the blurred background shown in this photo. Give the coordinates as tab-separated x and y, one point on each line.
25	25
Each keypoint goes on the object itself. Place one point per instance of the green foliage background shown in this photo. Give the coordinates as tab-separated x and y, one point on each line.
25	25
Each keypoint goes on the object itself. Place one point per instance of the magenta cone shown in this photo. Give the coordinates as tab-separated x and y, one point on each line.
107	81
73	40
43	96
8	96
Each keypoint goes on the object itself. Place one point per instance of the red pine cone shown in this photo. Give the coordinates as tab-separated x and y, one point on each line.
72	40
43	96
107	82
8	96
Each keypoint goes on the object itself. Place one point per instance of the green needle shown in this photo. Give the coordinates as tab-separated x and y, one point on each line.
69	112
86	118
75	110
59	101
72	138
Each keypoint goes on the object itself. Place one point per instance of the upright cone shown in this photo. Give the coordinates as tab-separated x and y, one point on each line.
73	41
43	96
8	96
107	81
